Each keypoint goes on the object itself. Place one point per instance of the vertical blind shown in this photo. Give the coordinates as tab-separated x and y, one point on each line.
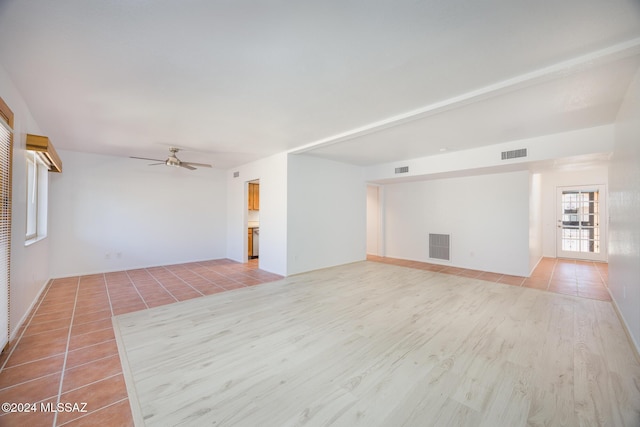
5	227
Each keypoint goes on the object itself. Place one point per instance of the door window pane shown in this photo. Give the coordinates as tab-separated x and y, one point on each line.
580	221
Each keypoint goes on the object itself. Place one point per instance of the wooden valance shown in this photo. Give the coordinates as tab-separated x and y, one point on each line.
44	147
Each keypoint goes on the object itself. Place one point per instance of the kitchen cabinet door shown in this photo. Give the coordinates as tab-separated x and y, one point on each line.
254	197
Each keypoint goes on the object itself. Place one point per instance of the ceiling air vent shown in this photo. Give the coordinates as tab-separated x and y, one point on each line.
236	174
403	169
514	154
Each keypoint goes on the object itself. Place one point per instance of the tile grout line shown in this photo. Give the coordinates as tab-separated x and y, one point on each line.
84	364
126	399
77	388
30	361
209	281
159	283
225	276
35	310
102	358
553	270
28	381
234	280
184	281
66	352
96	381
605	284
106	286
133	283
92	361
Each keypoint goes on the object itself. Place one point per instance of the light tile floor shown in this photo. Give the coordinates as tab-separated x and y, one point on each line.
66	352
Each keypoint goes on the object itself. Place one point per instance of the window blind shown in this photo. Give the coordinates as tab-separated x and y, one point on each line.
6	152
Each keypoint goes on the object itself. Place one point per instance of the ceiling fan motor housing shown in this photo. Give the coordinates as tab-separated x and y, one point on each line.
173	161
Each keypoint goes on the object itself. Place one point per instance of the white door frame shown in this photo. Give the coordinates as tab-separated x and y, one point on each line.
582	247
245	245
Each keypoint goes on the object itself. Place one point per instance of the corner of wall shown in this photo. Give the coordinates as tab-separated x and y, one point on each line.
624	228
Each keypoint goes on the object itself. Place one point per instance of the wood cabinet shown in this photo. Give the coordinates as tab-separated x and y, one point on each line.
250	245
254	197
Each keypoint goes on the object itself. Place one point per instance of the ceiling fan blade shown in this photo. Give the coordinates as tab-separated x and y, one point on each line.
156	164
146	158
186	166
202	165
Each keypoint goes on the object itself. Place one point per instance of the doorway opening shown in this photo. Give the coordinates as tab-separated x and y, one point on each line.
253	220
581	232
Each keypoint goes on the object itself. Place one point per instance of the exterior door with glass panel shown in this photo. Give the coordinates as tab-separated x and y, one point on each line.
582	223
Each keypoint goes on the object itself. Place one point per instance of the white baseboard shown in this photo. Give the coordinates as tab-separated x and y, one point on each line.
16	327
625	326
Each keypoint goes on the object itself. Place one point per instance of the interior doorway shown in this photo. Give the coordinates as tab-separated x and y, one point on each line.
581	223
253	220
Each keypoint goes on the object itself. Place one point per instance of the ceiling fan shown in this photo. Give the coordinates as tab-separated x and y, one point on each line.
173	160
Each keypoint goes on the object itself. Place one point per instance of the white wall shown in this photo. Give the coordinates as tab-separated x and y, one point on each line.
112	213
29	264
624	208
551	180
535	220
272	173
326	214
487	217
373	220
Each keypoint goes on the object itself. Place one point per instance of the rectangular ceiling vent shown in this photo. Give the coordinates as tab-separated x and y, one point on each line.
439	246
236	174
514	154
403	169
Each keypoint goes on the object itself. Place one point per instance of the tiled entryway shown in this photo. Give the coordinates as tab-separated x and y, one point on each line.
66	350
563	276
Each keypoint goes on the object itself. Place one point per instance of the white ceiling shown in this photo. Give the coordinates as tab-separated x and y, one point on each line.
356	81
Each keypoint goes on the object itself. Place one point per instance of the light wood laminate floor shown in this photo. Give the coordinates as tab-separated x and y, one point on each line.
380	345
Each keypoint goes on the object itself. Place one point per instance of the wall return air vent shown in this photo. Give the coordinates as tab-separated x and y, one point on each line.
403	169
514	154
439	246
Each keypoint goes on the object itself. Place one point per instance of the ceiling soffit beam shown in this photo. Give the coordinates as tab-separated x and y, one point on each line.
43	146
559	70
